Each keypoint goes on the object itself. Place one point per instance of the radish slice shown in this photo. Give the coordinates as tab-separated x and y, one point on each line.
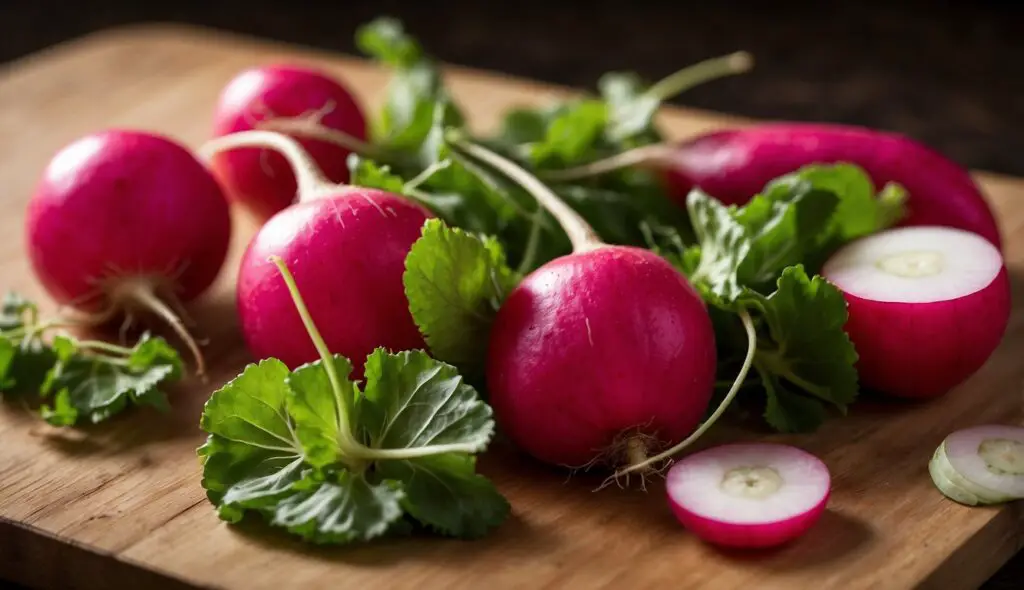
927	306
749	495
980	465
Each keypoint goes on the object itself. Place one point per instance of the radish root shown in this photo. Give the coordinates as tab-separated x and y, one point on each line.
141	294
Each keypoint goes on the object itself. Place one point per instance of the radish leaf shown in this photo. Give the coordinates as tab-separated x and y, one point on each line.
455	282
435	492
274	448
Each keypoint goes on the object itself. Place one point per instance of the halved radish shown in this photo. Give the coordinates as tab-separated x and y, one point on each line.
927	306
749	495
980	465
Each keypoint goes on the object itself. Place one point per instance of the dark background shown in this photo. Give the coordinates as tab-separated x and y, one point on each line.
948	73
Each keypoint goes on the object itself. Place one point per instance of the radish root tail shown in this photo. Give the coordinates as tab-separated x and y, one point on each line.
142	295
310	127
650	155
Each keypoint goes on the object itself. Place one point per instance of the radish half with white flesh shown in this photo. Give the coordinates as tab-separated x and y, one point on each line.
749	495
980	465
927	307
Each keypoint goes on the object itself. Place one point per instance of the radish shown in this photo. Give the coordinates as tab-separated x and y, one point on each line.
733	165
127	221
927	306
262	180
346	247
749	495
980	465
604	355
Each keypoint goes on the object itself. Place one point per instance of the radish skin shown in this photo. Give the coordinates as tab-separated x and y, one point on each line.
733	165
345	246
261	180
927	307
602	356
128	222
749	495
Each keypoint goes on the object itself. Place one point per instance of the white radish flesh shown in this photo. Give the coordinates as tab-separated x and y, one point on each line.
749	495
980	465
927	307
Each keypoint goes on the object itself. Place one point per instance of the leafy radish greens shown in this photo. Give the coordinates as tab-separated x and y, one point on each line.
336	461
755	257
88	381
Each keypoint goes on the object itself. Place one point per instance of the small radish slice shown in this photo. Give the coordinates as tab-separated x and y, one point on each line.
927	306
981	465
749	495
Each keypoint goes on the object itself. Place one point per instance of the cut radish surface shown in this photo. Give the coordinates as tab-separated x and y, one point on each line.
980	465
927	306
749	495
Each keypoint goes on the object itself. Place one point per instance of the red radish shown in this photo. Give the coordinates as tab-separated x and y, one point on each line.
927	306
603	355
733	165
261	180
346	247
749	495
127	221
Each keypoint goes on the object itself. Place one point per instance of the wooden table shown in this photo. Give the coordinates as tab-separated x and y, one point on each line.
121	506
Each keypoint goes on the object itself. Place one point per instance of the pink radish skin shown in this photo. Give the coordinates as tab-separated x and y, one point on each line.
924	325
346	247
127	221
715	494
734	165
261	180
604	355
597	346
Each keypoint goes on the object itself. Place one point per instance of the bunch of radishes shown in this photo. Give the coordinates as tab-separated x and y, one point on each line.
607	352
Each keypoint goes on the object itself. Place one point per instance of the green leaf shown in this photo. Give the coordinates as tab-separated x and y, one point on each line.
251	408
13	311
444	493
274	448
252	456
415	91
805	352
340	510
411	400
364	172
455	282
570	136
631	108
98	386
315	409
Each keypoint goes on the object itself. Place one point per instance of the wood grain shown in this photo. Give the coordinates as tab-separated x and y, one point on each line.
121	506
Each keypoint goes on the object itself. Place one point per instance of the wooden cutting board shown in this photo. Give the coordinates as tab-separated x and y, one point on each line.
121	506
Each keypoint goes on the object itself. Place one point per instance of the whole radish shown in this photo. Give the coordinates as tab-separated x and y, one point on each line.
346	248
927	306
604	355
733	165
261	180
127	221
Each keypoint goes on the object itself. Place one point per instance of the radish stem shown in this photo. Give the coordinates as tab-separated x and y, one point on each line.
581	235
309	179
699	73
312	129
634	157
748	325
